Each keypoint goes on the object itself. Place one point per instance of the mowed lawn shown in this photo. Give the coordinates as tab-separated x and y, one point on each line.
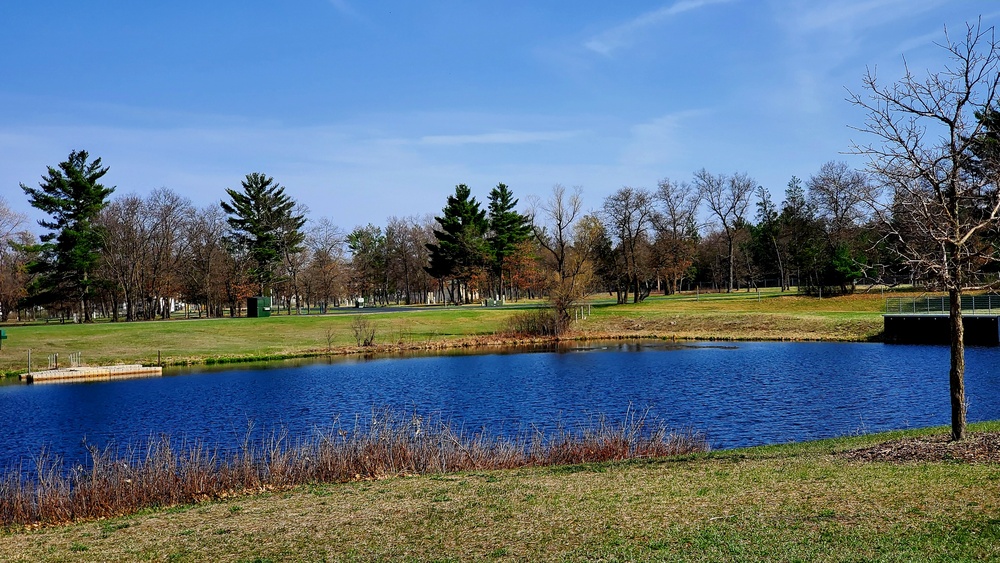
797	502
769	315
195	340
772	315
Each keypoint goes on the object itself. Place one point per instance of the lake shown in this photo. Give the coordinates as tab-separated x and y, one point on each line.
738	394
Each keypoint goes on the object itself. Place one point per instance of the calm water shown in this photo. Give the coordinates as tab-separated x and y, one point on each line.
739	395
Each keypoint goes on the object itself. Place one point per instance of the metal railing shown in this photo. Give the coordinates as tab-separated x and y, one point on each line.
971	304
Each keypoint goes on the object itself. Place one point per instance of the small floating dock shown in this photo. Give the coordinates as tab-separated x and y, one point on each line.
92	373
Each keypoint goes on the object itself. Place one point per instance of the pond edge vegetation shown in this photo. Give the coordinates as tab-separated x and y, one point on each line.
161	473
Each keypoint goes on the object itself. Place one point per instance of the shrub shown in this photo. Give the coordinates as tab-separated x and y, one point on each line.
534	322
364	330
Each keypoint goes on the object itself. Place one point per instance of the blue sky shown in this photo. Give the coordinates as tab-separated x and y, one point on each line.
364	110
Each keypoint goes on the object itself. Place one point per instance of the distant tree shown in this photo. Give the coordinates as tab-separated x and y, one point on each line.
369	263
263	223
325	276
711	259
124	242
984	149
628	217
802	234
406	240
204	265
525	270
238	279
69	253
766	235
727	198
507	230
143	247
460	250
676	230
838	192
939	202
14	259
294	256
553	222
607	266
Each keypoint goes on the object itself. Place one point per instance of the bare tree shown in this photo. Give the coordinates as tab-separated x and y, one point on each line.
553	221
292	255
326	274
205	263
14	257
124	241
406	248
676	226
727	198
628	215
166	214
934	207
144	244
838	193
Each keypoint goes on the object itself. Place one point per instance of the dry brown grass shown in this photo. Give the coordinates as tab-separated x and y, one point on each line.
735	326
386	445
796	502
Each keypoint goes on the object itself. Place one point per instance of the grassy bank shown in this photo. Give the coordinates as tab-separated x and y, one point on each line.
772	316
790	502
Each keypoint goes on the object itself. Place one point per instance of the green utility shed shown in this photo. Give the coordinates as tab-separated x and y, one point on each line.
258	306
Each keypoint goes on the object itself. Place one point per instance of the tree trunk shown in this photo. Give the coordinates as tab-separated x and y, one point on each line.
781	268
732	265
957	372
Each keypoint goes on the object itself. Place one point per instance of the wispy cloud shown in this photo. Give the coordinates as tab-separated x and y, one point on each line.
919	41
499	137
623	35
857	14
660	141
346	9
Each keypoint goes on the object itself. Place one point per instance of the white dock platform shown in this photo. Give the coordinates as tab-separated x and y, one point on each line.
92	373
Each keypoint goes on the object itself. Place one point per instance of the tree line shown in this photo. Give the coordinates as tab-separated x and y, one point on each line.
134	257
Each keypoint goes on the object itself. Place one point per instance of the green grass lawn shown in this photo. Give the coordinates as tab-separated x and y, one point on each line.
772	315
195	340
781	503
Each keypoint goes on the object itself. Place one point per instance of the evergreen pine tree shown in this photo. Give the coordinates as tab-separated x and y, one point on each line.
460	250
70	252
263	223
508	229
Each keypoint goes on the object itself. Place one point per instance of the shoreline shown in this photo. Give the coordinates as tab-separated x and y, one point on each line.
474	343
183	342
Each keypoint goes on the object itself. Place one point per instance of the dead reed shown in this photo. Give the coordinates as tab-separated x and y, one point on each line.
162	473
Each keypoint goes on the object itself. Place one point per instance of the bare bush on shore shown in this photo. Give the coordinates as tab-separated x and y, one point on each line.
364	330
533	322
387	444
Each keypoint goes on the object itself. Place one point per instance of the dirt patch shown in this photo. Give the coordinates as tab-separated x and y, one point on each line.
981	447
